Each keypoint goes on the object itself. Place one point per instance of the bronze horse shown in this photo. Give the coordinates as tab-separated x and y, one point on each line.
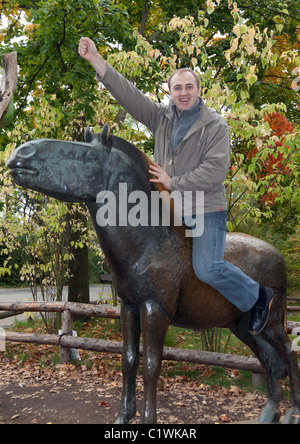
152	268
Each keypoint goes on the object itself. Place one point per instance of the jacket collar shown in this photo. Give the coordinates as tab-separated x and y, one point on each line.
205	118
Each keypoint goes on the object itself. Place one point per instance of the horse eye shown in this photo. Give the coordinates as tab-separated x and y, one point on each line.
27	151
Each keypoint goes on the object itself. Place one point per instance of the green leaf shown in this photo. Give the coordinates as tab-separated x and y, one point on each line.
8	117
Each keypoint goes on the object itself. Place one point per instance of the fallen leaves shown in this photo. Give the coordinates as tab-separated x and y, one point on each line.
103	404
51	396
41	391
224	418
14	417
181	404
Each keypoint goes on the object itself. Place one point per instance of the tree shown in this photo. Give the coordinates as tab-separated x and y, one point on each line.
234	46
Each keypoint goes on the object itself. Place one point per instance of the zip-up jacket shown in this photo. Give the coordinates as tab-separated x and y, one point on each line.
200	162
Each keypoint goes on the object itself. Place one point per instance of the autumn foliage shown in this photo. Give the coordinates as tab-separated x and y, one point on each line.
276	162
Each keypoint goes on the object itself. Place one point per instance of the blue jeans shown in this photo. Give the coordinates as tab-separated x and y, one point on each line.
211	268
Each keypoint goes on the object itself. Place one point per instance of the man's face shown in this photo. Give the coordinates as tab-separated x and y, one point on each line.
184	91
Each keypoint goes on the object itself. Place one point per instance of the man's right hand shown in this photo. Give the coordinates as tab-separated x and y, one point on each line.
87	49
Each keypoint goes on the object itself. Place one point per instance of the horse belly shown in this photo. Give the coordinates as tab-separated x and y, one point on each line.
202	307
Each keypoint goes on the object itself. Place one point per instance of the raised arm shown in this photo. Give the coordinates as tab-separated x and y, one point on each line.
137	104
87	49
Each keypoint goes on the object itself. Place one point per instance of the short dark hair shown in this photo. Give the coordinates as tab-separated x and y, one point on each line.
182	70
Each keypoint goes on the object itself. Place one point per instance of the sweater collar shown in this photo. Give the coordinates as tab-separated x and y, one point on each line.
205	115
188	113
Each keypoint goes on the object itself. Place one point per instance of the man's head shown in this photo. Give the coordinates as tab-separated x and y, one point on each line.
184	87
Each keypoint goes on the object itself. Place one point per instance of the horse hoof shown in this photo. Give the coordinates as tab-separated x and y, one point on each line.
292	417
125	418
122	420
270	416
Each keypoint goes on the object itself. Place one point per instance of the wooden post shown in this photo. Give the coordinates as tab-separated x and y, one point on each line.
47	307
66	330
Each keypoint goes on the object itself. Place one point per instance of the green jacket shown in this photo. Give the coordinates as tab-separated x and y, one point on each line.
200	162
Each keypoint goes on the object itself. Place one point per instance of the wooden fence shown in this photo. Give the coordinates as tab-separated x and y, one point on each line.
66	341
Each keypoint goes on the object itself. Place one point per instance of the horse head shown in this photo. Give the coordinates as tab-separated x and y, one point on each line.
102	172
68	171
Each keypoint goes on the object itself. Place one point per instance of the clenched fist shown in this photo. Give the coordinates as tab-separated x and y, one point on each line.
87	49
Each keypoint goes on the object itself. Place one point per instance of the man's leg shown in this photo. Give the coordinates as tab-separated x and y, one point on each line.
210	267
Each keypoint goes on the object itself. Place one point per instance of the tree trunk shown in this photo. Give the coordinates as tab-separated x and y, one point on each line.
144	18
8	81
79	289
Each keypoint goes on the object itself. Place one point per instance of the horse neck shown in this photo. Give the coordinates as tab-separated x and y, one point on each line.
123	246
126	242
118	239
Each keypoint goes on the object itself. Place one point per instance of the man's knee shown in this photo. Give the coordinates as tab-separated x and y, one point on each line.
206	273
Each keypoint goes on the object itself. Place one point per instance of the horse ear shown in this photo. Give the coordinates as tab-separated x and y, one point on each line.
105	135
88	135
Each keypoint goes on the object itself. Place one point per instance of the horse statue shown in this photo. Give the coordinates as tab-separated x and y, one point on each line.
152	266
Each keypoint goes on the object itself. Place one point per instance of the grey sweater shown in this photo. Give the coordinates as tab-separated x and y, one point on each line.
183	123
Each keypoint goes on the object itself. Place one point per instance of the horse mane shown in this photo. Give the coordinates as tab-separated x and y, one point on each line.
137	156
131	150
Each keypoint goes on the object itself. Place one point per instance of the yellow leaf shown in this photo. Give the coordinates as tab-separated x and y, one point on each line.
252	32
235	44
251	79
237	30
228	55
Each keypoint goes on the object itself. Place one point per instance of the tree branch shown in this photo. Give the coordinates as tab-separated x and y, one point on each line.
144	17
30	85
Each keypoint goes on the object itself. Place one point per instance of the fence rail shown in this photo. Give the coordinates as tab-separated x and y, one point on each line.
66	341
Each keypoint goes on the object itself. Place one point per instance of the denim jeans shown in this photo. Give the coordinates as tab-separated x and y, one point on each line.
211	268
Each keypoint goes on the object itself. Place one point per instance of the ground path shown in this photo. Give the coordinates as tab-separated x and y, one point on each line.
66	394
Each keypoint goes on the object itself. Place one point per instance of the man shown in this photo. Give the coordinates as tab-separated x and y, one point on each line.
192	153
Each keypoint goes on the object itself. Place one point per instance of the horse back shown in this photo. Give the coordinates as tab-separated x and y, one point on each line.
200	306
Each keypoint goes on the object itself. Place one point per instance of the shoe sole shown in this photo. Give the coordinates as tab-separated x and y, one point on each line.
267	320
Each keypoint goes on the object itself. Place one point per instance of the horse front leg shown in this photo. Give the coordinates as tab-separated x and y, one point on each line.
130	318
154	323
